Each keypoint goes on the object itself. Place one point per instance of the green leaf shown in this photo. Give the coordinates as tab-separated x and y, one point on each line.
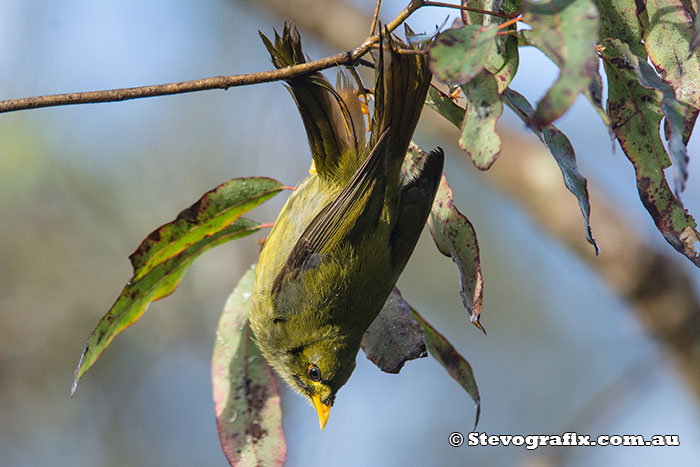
162	258
246	395
667	40
689	119
594	94
158	283
454	237
213	212
478	123
635	113
484	107
636	116
620	19
673	110
695	41
451	360
445	106
479	138
511	7
563	153
394	337
473	17
504	60
566	32
460	54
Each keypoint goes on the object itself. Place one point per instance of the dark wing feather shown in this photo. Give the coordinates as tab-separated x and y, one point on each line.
415	202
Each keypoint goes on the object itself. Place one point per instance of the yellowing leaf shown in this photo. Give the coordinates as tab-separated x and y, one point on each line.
158	283
162	258
211	213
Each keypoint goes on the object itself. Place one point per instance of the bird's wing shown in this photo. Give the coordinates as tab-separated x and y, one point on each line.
415	202
355	208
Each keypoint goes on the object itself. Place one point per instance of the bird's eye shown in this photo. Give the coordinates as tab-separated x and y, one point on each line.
313	372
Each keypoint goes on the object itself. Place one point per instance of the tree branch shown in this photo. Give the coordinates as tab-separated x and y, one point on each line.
217	82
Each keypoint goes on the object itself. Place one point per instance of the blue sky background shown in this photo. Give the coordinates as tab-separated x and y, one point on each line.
80	186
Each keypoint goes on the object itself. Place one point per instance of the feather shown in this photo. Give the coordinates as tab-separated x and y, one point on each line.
334	224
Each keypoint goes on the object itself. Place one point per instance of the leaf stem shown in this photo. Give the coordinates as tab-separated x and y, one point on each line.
510	21
465	8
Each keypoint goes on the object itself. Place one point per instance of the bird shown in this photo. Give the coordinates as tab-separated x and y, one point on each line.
346	232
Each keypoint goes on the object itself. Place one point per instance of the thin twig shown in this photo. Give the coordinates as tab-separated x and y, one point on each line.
510	21
204	84
365	63
412	51
358	80
466	8
375	17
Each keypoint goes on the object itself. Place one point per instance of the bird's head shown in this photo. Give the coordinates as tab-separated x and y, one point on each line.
315	365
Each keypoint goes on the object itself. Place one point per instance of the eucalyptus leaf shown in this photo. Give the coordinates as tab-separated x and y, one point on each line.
504	60
454	237
635	114
566	32
246	395
158	283
563	152
594	94
695	41
473	17
456	365
478	131
673	110
668	40
215	210
162	258
458	55
445	106
394	337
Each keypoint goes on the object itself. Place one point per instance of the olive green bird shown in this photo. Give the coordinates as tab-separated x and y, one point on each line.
347	231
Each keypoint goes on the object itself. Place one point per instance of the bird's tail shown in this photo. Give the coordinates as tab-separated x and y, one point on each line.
402	82
330	116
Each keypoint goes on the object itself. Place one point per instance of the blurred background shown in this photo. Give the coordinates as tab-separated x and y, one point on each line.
80	186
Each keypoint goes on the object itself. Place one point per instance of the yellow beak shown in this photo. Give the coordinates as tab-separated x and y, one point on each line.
322	409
